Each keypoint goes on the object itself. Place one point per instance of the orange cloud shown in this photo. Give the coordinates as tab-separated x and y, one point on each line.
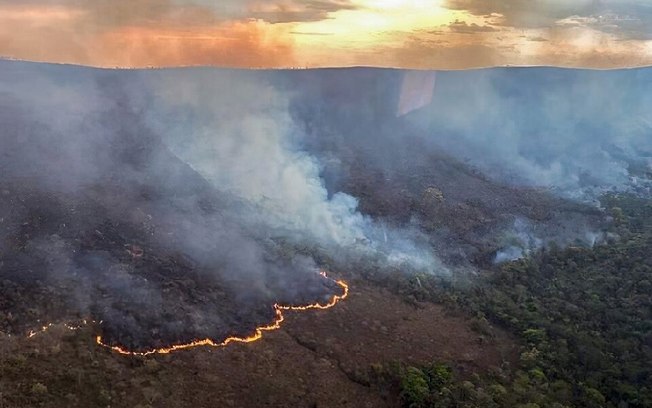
40	15
435	34
162	36
233	44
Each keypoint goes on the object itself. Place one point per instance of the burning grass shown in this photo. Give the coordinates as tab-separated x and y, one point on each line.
257	333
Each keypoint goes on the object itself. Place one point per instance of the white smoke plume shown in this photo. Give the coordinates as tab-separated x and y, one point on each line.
236	130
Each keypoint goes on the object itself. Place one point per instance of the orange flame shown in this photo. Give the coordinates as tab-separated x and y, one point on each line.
45	328
68	326
256	335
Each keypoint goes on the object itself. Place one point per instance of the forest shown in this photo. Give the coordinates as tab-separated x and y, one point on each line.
583	318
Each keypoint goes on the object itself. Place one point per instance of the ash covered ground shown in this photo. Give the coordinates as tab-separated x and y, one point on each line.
173	205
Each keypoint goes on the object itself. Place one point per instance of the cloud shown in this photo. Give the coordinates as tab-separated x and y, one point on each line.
462	27
140	33
297	11
283	33
526	13
189	13
628	19
250	44
101	15
624	26
149	34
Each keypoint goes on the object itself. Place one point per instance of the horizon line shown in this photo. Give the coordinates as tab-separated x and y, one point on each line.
313	68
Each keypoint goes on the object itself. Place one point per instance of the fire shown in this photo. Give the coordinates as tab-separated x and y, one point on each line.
68	326
45	328
256	335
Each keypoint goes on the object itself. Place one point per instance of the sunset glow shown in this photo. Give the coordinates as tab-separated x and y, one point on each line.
290	33
376	21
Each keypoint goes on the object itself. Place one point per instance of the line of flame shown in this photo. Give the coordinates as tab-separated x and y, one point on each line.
256	335
68	326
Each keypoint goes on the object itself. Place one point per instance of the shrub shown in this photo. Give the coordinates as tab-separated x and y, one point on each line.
414	388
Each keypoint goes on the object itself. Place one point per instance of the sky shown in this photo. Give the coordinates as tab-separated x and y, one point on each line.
416	34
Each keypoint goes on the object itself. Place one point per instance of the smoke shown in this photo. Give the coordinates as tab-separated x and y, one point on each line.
235	129
149	192
576	132
579	133
518	242
471	152
144	195
231	127
523	238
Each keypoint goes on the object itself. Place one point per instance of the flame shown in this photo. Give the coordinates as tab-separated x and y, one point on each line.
45	328
68	326
256	335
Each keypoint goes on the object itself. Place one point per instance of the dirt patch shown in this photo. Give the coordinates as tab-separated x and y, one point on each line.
373	326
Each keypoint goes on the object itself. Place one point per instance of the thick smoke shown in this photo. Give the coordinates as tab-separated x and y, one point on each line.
95	204
579	133
146	194
233	128
474	152
236	130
